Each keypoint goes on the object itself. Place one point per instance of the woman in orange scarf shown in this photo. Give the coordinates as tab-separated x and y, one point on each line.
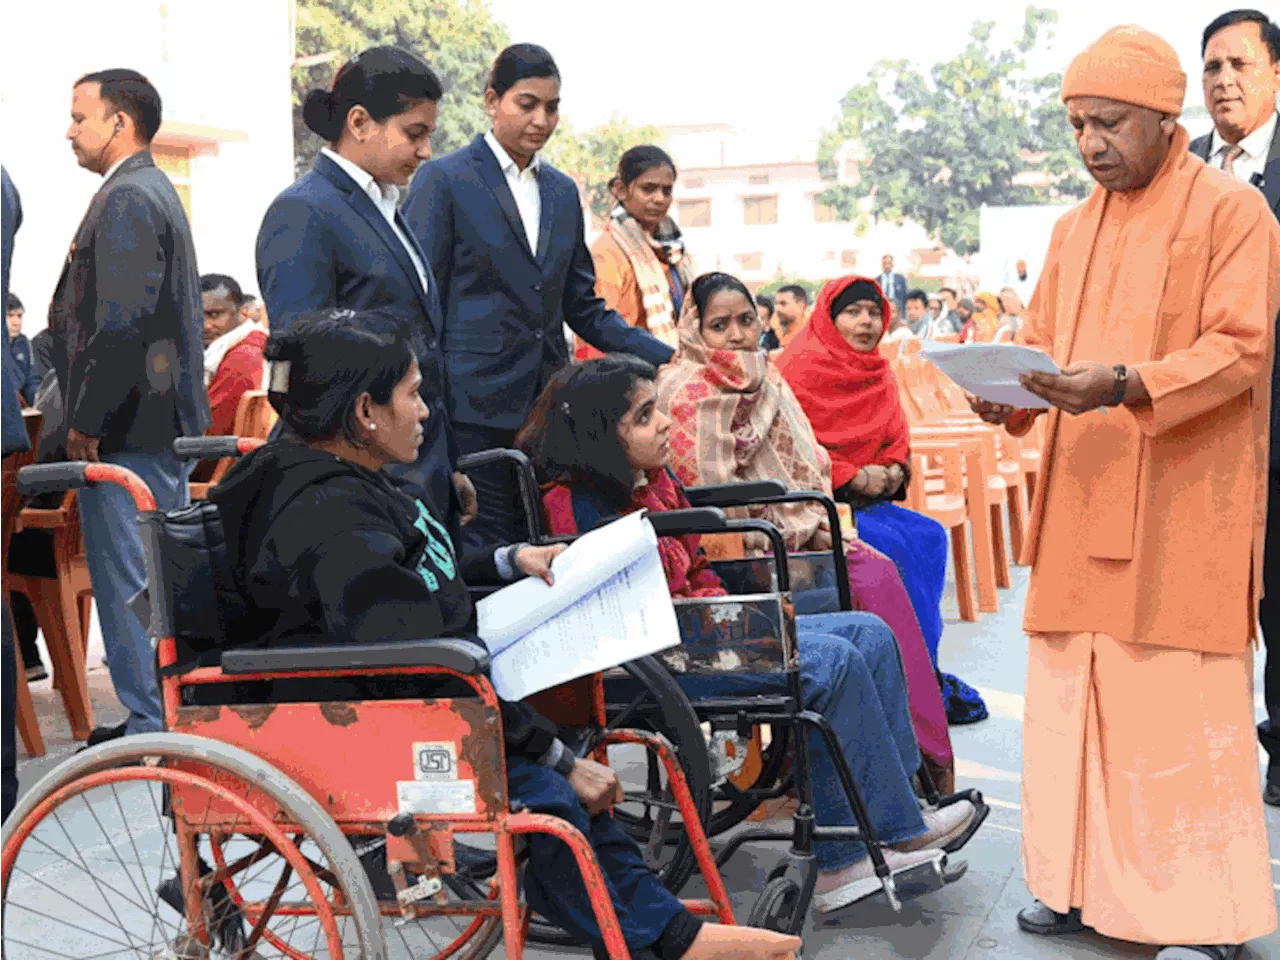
850	396
642	269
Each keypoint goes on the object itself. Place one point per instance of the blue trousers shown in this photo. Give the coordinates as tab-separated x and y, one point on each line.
113	550
553	883
917	545
850	673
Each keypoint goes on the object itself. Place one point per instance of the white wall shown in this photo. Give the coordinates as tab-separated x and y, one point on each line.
223	65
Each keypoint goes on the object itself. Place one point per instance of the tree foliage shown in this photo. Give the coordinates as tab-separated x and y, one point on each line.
940	146
591	157
458	38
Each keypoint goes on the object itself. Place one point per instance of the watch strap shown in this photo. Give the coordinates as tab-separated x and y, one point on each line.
1122	385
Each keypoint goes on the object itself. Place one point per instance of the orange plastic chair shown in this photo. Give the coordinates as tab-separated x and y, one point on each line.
948	508
255	417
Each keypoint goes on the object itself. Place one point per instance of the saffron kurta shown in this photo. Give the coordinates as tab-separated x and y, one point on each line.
1140	787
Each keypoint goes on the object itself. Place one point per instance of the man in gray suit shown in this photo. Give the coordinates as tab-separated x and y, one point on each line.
1241	51
127	320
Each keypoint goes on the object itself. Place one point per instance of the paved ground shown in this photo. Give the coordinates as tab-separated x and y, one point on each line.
970	920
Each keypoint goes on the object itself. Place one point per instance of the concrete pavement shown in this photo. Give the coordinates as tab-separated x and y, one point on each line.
972	919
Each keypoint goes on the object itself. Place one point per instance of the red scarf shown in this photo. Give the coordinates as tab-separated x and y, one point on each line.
851	398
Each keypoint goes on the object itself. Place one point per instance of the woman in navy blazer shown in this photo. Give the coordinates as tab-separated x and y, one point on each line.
503	233
334	239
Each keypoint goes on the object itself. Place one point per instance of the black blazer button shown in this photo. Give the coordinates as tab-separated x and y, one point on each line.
537	288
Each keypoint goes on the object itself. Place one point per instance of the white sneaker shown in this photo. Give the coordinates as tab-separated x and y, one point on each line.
942	825
859	881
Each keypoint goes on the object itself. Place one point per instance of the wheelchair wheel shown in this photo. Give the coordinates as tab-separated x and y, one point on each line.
777	907
654	701
106	856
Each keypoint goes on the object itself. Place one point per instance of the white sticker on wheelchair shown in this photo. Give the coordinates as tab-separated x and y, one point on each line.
436	760
436	796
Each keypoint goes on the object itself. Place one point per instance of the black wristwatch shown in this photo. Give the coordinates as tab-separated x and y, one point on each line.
1122	385
566	762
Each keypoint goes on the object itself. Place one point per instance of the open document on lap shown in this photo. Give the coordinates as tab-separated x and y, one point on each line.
610	604
990	371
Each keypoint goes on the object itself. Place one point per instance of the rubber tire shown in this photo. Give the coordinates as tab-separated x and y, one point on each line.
300	806
775	908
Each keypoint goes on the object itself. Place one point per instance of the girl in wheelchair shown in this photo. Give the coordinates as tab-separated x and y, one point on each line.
601	447
328	550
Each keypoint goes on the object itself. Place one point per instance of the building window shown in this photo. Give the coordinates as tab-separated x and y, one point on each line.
848	258
175	161
694	213
759	210
749	261
758	179
823	213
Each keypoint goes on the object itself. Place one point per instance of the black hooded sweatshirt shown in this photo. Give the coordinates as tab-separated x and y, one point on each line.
326	551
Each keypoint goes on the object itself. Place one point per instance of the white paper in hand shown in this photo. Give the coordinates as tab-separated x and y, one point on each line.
991	370
610	604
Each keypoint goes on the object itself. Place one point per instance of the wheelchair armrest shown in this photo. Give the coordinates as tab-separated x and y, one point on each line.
675	523
734	494
461	656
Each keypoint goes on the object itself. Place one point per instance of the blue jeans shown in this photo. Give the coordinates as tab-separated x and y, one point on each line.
113	550
917	545
553	883
849	673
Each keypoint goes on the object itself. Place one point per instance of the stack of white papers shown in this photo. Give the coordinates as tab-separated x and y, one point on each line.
991	370
610	604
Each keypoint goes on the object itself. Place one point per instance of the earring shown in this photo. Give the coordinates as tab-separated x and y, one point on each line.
372	427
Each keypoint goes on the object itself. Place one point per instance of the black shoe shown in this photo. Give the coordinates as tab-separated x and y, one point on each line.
36	671
226	922
1043	922
103	734
1271	795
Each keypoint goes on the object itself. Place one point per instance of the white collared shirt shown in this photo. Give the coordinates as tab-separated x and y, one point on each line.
524	188
1256	147
385	197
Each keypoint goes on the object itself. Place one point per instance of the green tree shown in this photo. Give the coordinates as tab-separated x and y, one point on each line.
591	157
459	38
940	146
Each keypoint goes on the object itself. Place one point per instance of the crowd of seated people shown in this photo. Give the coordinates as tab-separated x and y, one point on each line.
601	445
328	549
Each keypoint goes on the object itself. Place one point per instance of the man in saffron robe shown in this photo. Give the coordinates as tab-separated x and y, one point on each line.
1141	812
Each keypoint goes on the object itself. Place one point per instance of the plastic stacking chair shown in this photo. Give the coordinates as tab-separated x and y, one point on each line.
255	417
948	507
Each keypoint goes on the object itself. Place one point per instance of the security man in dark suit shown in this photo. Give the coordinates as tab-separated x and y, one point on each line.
127	319
503	231
1241	51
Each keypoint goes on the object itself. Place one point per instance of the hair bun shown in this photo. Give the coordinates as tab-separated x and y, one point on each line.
320	114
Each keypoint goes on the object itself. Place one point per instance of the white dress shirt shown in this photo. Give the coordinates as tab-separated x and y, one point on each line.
385	197
1256	147
524	188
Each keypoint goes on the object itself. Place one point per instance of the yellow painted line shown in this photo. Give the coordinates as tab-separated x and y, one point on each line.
1006	706
1002	829
1006	805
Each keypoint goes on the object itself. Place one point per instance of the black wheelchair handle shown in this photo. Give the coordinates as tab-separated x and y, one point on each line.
676	523
526	485
52	478
734	494
496	455
206	448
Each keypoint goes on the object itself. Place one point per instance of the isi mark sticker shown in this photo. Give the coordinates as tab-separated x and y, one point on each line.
435	761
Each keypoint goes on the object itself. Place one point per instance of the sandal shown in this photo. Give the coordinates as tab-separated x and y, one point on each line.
1202	951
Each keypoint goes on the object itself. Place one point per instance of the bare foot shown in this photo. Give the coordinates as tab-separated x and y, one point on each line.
718	942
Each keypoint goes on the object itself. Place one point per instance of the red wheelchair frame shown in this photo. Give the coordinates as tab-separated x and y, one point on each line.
340	755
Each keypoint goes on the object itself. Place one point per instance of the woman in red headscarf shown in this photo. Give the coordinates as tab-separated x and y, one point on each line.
849	393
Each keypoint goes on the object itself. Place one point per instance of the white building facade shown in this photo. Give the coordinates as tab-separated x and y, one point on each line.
747	212
223	72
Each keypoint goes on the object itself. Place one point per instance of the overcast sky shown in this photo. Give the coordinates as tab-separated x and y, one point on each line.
782	65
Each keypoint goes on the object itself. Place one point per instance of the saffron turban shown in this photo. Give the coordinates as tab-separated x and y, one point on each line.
1131	65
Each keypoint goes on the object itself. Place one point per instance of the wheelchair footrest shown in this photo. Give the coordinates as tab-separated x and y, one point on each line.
982	812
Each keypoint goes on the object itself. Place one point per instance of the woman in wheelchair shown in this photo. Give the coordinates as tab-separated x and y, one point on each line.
734	419
600	445
328	550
